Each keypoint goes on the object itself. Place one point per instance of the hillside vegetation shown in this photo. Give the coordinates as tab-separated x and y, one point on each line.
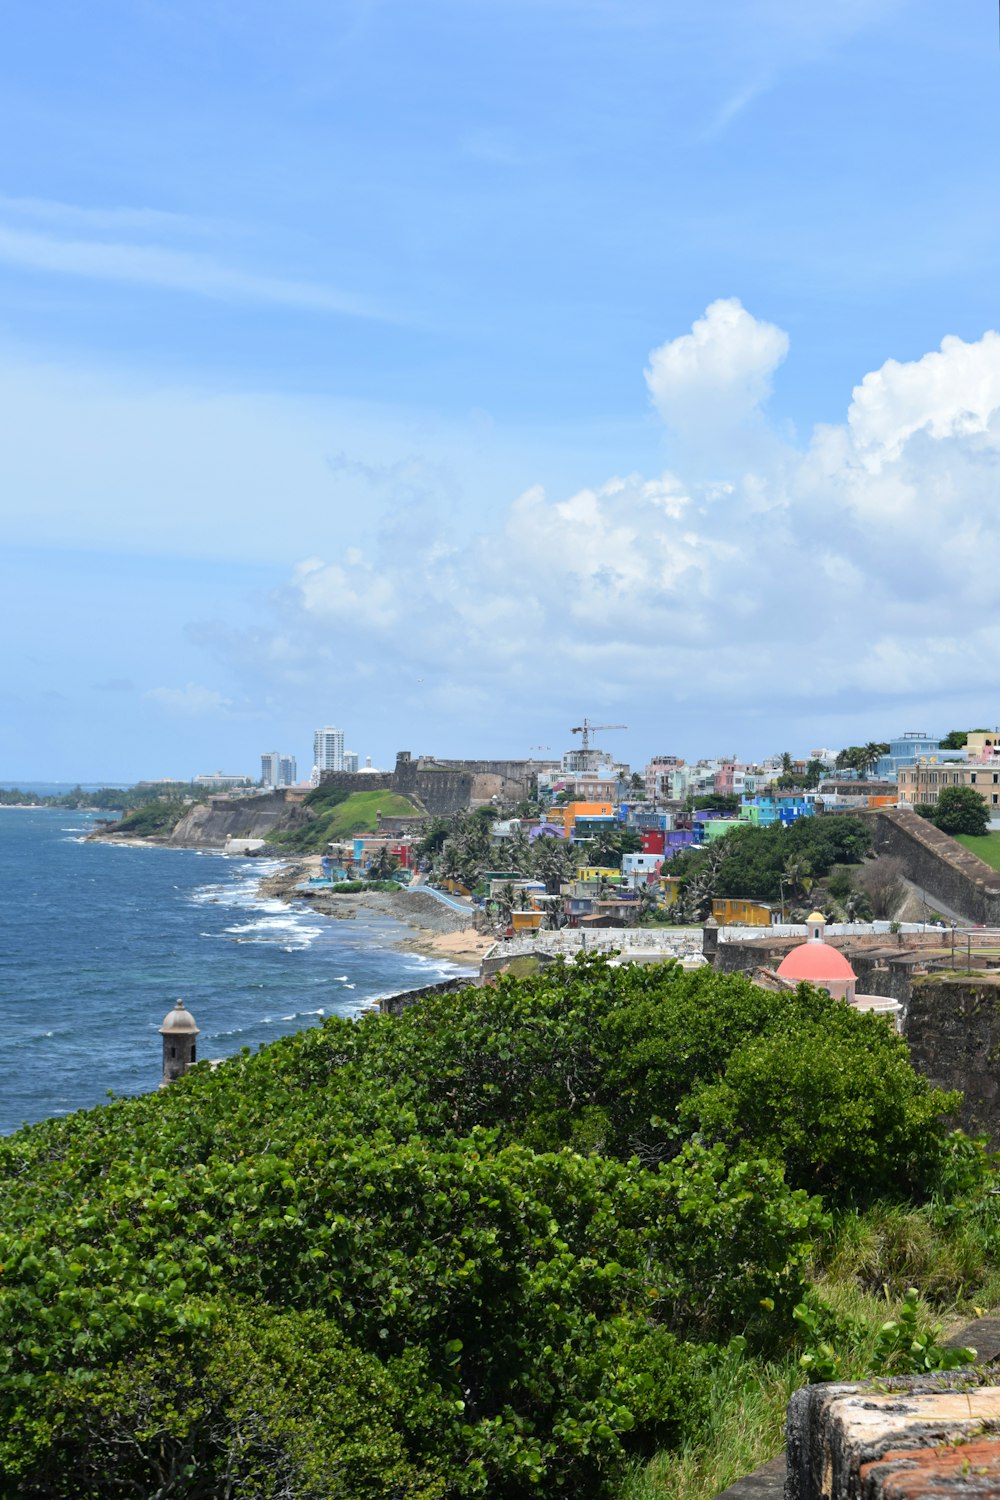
340	815
517	1242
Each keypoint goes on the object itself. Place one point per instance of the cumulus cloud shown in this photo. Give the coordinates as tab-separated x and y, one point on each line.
720	372
859	566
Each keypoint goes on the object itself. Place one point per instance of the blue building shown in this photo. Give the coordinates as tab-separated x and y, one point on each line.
785	808
907	748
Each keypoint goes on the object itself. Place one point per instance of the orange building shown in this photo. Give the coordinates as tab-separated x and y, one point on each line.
567	814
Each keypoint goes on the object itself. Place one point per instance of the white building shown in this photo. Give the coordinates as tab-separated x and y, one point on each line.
350	760
220	781
328	749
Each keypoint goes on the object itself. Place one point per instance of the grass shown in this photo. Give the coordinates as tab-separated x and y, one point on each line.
358	813
746	1427
861	1273
339	816
986	846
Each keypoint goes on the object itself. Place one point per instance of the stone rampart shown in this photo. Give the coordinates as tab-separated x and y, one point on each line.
450	786
940	866
953	1028
394	1005
357	781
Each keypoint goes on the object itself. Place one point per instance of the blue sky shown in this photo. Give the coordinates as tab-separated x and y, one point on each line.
449	372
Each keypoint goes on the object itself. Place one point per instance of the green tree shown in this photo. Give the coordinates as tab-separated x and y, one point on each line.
384	866
955	739
799	875
814	773
553	860
960	809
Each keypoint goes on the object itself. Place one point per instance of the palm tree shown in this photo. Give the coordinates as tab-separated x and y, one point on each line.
554	861
384	866
517	852
798	873
869	757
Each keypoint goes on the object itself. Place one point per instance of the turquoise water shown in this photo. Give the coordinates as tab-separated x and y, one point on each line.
97	941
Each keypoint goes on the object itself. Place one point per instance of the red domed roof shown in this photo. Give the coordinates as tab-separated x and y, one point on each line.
815	962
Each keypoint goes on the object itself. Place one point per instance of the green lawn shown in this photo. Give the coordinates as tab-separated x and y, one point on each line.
358	813
987	847
338	817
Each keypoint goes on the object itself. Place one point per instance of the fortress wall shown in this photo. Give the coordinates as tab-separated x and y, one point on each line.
938	864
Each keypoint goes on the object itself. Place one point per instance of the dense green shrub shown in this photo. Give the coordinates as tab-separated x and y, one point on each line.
484	1248
159	816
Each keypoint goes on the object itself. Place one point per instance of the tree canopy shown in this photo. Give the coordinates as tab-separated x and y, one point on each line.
960	809
485	1248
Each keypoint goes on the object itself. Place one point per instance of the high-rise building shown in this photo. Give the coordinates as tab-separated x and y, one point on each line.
289	771
328	749
270	768
350	760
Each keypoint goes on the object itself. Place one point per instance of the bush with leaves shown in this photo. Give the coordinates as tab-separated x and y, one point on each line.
503	1224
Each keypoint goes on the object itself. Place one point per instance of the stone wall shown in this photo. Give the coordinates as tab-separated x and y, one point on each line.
357	781
938	864
450	786
394	1005
953	1028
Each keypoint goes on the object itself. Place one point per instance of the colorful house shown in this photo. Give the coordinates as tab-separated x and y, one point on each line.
777	807
565	816
731	911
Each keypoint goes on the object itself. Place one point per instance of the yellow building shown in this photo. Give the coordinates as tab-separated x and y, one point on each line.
982	742
729	911
597	873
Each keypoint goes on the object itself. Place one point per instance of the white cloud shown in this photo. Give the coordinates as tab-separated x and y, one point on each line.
192	701
719	373
952	393
816	576
757	578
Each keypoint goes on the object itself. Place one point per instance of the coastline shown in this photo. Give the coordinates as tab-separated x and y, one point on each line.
438	933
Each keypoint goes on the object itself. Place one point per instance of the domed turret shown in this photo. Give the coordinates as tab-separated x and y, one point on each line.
818	962
178	1031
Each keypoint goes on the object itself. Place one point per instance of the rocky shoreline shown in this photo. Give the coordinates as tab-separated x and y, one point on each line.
442	933
438	931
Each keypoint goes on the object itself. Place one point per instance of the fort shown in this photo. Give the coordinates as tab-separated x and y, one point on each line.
443	787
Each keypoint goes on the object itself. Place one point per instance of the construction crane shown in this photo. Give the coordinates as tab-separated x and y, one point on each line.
586	729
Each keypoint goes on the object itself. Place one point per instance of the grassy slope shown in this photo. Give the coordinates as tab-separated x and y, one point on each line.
987	847
340	817
357	814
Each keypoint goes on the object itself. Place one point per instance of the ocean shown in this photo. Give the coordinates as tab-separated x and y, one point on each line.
97	941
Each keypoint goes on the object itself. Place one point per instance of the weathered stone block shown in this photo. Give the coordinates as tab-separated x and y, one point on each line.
895	1439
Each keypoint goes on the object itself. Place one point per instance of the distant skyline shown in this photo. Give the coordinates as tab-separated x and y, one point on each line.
452	372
